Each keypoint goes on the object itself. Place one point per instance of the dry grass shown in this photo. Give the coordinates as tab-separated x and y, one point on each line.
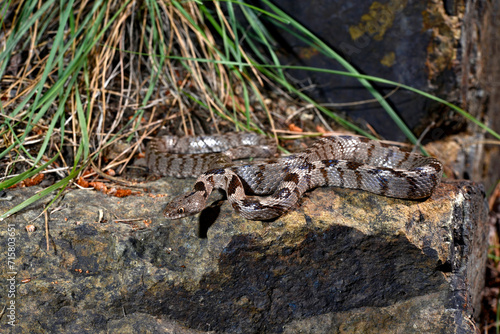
77	80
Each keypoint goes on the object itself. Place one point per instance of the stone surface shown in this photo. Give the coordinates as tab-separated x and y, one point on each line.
407	41
479	68
342	261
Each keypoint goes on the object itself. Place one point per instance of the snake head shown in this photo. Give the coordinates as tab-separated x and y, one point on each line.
185	205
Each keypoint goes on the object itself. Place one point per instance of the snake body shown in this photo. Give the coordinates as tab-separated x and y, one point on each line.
341	161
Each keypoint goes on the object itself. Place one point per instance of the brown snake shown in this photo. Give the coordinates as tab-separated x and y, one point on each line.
341	161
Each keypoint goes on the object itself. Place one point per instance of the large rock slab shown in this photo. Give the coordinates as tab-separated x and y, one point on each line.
418	43
342	261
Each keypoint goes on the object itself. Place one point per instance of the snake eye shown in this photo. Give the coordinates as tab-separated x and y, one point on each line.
180	211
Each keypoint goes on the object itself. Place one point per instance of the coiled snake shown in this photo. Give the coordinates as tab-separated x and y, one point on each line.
341	161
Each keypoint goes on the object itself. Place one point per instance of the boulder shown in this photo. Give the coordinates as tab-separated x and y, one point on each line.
341	261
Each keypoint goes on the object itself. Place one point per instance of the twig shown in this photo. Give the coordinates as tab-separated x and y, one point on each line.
114	179
46	214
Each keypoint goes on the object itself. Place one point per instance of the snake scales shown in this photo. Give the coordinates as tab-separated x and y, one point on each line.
342	161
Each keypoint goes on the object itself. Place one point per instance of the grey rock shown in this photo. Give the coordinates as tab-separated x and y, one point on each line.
341	261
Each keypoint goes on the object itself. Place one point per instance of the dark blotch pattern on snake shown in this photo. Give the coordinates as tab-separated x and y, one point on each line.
341	161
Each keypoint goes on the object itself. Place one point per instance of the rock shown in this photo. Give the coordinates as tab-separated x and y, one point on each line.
342	261
411	42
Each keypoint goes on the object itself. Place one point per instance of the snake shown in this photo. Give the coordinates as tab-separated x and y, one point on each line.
265	190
